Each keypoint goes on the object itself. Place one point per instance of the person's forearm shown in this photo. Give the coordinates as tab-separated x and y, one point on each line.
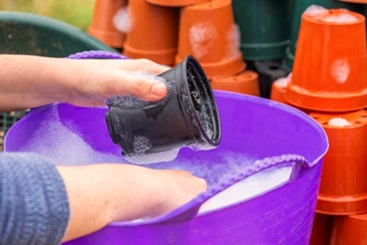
100	194
30	81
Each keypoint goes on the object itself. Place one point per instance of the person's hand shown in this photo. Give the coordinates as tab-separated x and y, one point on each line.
102	79
177	188
30	81
103	193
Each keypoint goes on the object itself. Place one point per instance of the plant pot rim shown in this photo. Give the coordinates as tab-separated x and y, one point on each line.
324	101
242	77
345	205
164	56
209	5
224	67
176	3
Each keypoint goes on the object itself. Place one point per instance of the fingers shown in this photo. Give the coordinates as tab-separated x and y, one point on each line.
140	84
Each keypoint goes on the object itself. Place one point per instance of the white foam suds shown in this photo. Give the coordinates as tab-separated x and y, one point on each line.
315	10
202	37
344	18
63	146
340	71
233	42
339	122
282	82
156	157
122	20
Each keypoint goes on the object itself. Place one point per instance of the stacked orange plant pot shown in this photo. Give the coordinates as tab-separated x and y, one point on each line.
208	32
166	31
153	33
329	82
103	26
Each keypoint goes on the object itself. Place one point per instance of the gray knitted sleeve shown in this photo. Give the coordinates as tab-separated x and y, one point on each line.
34	207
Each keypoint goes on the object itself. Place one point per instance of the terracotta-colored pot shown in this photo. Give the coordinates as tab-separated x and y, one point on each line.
247	82
153	33
298	9
103	27
321	229
354	1
343	188
278	89
208	32
350	230
329	72
176	3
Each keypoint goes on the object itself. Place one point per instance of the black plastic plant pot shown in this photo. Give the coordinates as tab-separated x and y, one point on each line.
186	117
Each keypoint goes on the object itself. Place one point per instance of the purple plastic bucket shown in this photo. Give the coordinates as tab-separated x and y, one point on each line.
271	133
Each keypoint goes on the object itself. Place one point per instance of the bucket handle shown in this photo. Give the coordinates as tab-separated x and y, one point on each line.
189	210
97	54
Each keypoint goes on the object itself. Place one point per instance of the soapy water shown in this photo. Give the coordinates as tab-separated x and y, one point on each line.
64	146
153	157
229	165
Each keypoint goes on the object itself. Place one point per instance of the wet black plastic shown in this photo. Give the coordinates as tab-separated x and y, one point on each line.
188	116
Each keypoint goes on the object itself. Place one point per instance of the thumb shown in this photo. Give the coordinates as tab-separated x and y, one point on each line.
144	85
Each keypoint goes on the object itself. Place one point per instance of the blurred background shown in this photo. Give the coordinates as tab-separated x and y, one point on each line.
78	12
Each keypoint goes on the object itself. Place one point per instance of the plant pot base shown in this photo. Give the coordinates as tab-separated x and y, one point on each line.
247	82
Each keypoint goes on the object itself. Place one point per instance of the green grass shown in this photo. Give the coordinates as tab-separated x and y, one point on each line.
75	12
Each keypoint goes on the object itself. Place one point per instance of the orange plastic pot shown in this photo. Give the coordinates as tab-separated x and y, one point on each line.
329	71
208	32
321	229
153	34
246	82
278	89
350	230
176	3
343	187
354	1
103	27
